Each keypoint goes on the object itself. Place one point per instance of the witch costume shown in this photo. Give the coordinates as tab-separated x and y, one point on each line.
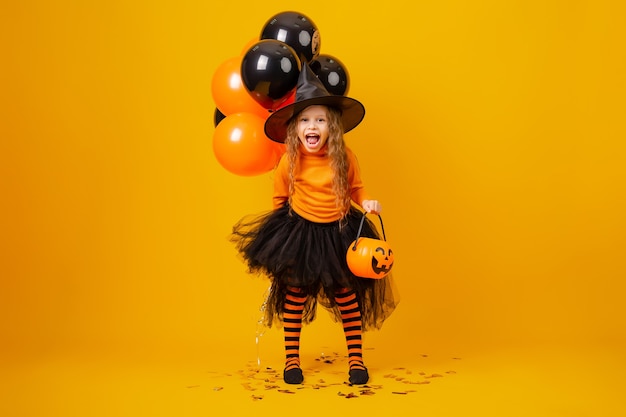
303	241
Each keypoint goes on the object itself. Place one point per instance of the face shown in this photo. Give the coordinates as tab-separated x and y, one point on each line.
313	128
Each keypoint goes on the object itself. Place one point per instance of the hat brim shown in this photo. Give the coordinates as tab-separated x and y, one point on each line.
352	113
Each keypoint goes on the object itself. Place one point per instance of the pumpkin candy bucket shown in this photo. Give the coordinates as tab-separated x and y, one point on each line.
368	257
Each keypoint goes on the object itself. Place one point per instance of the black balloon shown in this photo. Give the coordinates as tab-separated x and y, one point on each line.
332	73
218	116
297	31
269	71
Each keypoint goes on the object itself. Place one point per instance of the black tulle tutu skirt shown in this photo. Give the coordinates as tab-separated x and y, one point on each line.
294	252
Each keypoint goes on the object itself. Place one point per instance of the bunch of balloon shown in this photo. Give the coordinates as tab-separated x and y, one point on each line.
262	79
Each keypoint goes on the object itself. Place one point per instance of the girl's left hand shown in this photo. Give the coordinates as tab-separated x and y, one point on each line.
372	206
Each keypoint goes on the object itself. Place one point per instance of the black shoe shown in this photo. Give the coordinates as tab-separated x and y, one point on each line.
359	376
293	376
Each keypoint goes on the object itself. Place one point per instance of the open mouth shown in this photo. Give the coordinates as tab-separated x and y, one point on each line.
312	140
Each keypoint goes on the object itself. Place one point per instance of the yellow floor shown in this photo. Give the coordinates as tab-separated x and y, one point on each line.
555	381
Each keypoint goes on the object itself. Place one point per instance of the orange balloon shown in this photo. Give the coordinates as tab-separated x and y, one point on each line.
249	45
230	94
241	146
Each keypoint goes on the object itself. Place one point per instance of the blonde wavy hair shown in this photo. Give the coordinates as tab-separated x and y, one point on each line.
336	155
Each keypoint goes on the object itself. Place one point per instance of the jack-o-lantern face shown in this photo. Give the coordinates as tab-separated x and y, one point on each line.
382	260
370	258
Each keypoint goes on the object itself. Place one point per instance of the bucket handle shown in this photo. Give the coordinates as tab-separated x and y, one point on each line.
358	234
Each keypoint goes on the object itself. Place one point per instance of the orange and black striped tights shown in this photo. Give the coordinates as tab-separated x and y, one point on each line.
352	326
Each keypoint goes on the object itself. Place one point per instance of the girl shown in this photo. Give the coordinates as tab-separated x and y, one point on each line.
301	244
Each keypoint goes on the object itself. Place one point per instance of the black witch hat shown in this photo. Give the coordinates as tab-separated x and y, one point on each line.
310	91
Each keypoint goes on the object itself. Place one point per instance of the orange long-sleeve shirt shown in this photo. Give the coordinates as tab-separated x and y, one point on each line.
313	196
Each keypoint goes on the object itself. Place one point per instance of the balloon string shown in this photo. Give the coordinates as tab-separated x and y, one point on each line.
260	329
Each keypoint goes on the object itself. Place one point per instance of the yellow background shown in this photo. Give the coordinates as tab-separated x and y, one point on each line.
494	138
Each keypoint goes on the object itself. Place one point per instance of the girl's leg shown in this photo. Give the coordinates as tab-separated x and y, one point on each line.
294	306
352	326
